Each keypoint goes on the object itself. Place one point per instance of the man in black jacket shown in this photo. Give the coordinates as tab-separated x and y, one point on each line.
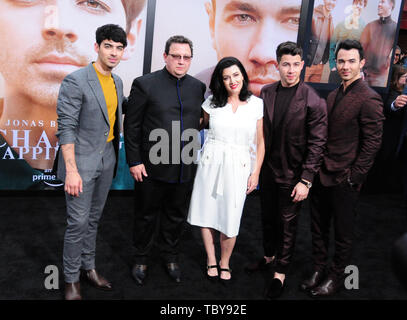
295	130
355	126
162	106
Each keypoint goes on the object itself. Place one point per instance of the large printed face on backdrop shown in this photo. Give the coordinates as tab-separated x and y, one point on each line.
384	8
43	41
251	31
357	7
329	5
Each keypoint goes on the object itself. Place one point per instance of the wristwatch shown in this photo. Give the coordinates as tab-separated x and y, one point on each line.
307	184
350	182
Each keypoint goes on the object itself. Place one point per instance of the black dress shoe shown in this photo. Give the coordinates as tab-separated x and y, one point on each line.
259	265
73	291
275	289
174	271
328	287
212	278
96	280
314	280
139	273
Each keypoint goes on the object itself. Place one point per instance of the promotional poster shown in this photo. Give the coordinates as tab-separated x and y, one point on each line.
46	40
373	23
247	30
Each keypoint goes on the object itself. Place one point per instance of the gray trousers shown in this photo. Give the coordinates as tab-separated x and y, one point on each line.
83	214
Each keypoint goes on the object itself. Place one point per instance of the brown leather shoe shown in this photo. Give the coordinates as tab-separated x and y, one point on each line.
328	287
73	291
311	282
97	280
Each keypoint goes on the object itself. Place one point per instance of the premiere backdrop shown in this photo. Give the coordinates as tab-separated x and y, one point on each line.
46	40
247	30
42	35
363	20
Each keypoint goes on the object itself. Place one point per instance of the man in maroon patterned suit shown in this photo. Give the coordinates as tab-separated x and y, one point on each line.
295	133
355	119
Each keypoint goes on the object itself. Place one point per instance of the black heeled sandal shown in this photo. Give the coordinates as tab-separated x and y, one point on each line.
225	282
212	278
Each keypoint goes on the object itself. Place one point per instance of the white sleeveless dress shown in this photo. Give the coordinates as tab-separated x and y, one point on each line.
224	166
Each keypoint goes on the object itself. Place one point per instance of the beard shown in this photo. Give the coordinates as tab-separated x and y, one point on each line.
24	77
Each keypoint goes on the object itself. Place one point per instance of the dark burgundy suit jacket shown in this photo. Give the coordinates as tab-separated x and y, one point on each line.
355	129
303	136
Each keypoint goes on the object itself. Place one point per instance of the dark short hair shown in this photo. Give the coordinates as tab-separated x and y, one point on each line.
397	72
111	32
132	9
219	92
178	39
349	45
288	47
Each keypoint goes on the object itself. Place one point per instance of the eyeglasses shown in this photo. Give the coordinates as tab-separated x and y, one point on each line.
179	57
397	54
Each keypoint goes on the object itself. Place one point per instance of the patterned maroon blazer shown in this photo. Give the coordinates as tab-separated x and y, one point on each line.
303	136
355	129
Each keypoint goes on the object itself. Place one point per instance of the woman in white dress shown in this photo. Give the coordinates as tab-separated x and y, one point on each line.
227	171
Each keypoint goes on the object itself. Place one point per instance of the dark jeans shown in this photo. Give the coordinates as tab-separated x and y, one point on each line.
337	203
160	209
279	222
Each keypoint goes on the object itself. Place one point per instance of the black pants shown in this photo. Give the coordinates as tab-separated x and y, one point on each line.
160	210
337	203
403	160
279	222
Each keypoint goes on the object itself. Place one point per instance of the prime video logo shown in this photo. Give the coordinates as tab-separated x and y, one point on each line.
48	178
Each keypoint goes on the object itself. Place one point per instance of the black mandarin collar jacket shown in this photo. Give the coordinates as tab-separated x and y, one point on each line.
159	100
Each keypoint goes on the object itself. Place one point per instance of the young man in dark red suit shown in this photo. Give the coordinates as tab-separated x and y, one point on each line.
295	131
355	119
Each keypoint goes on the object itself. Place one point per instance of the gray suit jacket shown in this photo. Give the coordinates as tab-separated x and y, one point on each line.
83	120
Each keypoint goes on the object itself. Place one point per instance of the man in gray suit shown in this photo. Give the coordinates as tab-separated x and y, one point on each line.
89	112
